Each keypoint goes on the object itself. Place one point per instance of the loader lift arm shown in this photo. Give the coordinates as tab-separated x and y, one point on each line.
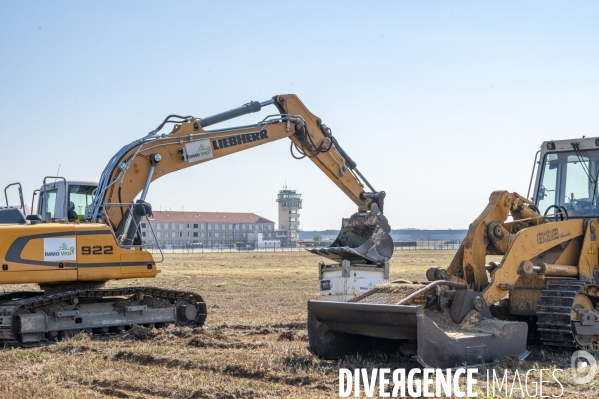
139	163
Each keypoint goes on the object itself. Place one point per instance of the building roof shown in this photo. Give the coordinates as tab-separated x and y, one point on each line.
208	217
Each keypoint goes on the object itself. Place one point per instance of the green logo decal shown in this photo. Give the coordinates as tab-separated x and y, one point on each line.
65	250
203	151
198	150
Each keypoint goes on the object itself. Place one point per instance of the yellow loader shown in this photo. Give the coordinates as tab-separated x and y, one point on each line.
476	310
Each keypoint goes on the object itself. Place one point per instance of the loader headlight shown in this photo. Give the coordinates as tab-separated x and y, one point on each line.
551	146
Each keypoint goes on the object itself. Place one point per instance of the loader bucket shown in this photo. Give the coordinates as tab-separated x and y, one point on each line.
363	237
337	329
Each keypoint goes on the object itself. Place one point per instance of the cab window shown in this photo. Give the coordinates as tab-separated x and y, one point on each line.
80	196
47	203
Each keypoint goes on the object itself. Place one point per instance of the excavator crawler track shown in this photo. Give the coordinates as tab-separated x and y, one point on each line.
555	313
15	304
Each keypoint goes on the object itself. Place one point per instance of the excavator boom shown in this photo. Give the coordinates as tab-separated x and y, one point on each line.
188	144
131	171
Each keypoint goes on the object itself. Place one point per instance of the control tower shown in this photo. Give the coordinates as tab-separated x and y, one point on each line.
290	203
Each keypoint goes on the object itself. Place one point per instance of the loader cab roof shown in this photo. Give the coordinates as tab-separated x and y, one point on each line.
568	177
560	145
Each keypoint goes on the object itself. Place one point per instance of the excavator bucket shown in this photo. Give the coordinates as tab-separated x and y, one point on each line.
363	237
444	328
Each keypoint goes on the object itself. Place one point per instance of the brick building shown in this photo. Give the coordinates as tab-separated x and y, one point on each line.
176	229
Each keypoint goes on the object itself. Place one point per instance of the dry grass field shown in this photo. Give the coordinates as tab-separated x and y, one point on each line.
252	346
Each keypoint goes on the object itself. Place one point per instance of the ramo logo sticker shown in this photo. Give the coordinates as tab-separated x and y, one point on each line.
198	150
60	249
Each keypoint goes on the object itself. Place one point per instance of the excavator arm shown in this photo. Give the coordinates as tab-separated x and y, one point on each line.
136	165
131	171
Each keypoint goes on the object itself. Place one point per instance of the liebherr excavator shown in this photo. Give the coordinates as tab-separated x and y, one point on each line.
474	310
71	255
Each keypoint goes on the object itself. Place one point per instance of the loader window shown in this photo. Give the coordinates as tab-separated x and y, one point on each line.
569	179
81	196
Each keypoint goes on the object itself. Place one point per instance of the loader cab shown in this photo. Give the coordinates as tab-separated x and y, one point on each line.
567	178
64	200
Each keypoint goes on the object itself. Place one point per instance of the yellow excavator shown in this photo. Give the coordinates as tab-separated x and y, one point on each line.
71	254
545	285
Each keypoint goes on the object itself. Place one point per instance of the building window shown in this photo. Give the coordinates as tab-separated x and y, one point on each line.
188	234
202	226
143	225
209	226
216	235
223	226
195	225
173	234
143	234
230	226
209	234
203	234
158	234
195	234
181	226
243	227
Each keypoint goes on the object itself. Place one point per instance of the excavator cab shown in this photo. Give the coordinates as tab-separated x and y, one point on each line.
64	200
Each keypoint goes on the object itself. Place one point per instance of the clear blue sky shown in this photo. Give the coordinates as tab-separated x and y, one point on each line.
439	103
